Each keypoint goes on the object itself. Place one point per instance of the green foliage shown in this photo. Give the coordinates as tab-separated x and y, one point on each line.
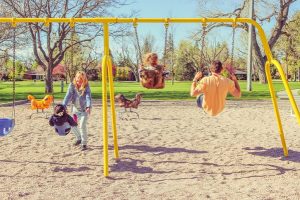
185	66
287	48
82	59
20	69
178	91
148	44
188	58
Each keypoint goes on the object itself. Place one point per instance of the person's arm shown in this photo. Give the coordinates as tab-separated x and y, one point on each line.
51	121
88	99
68	95
71	121
237	90
195	91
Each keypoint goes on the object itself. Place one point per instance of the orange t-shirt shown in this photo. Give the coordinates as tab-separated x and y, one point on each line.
215	89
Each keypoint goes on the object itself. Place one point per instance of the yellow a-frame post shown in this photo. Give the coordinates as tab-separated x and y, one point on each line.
107	66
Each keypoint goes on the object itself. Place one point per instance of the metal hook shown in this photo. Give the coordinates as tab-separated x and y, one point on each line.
47	21
135	24
14	22
204	22
167	22
72	22
234	23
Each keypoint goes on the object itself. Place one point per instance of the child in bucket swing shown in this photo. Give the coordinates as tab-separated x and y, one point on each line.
211	91
79	93
61	116
151	63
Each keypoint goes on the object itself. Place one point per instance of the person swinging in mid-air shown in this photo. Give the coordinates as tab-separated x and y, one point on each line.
152	74
211	91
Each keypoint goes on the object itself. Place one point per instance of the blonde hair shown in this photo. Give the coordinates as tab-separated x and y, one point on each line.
81	75
148	56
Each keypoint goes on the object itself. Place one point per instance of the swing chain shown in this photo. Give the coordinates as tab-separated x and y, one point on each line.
72	46
166	42
14	70
232	45
138	42
202	46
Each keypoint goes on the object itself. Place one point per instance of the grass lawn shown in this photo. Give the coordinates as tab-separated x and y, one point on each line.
178	91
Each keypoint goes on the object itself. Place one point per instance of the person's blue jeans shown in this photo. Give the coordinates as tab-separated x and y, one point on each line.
200	100
81	131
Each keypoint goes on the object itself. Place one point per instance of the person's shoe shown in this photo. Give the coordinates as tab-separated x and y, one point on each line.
78	142
84	147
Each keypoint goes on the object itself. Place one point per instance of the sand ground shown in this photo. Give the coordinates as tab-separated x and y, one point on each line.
173	151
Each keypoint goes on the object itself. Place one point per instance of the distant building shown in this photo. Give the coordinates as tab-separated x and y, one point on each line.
3	75
37	74
241	74
59	73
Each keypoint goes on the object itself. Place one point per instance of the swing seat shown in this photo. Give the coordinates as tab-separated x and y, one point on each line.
6	126
152	79
63	130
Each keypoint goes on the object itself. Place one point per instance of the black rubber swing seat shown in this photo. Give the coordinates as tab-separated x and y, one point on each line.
63	130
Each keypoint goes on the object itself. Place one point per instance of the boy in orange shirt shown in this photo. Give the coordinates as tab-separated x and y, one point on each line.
212	91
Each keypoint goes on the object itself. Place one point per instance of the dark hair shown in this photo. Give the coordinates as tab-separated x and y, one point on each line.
216	66
59	108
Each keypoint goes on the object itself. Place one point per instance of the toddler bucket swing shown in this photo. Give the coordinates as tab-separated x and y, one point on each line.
65	129
7	124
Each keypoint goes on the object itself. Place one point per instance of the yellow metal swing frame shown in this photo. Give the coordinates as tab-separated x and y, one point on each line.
107	66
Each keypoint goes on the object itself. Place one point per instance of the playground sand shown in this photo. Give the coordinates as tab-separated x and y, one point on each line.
174	151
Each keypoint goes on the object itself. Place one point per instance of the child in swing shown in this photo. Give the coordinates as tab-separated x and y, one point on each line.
79	93
151	63
61	116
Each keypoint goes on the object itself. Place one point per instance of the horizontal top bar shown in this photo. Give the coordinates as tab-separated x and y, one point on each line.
108	20
126	20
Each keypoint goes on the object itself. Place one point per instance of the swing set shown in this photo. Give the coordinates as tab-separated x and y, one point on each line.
7	124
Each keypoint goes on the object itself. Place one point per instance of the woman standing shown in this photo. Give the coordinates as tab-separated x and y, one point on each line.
79	93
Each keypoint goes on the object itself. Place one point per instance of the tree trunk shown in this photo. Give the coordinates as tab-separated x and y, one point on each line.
261	60
136	76
299	74
261	70
286	64
49	80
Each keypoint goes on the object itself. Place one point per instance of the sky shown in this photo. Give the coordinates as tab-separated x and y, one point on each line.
180	9
185	9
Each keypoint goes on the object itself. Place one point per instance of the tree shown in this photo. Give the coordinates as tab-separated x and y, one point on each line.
170	54
55	35
185	67
148	44
129	56
279	11
73	57
188	57
6	41
5	37
287	48
20	69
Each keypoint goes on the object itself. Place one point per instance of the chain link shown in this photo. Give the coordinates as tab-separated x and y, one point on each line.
14	71
166	43
72	49
202	46
138	43
232	47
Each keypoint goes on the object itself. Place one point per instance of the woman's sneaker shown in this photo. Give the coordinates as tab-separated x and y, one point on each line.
84	147
78	142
